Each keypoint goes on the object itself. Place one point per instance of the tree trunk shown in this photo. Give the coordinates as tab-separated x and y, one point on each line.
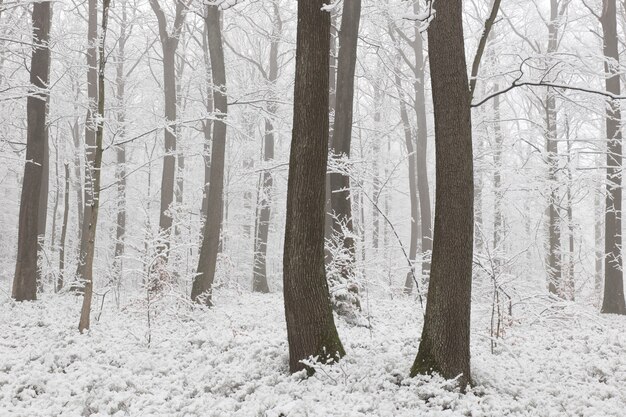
498	198
202	283
444	347
90	248
90	133
66	212
613	301
120	172
554	261
411	157
26	270
340	197
423	187
259	280
311	328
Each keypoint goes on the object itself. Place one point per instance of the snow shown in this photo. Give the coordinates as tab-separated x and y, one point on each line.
231	360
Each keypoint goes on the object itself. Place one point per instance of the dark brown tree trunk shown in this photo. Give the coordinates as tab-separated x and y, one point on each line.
90	133
26	270
202	283
42	219
340	197
613	301
66	212
259	280
445	344
90	248
311	328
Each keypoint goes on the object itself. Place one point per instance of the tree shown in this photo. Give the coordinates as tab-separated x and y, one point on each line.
310	324
340	195
26	270
259	279
202	283
90	132
169	44
613	301
444	347
92	224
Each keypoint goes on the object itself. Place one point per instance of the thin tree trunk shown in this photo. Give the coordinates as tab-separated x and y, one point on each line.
259	280
498	199
376	181
120	172
613	301
340	197
26	270
66	211
90	249
445	343
202	283
90	134
311	328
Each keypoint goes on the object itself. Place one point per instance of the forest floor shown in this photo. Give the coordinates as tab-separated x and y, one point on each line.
231	360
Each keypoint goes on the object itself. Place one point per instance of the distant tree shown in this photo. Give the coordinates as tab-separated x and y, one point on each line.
445	344
202	283
311	328
26	270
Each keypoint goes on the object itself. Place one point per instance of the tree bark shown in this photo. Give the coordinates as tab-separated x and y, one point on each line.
613	301
445	344
90	133
26	270
90	248
66	210
311	328
259	280
202	283
340	195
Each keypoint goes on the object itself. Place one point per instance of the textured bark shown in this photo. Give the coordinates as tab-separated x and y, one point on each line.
90	248
445	344
340	195
259	279
66	212
310	324
613	301
26	270
90	133
202	283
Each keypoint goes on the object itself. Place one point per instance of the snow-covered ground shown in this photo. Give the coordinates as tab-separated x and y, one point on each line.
232	361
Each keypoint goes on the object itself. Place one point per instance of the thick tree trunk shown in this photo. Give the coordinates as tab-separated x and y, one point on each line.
613	301
340	197
310	324
445	343
202	283
26	270
259	280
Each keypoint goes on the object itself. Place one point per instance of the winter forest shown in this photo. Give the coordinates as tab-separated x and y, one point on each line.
312	208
